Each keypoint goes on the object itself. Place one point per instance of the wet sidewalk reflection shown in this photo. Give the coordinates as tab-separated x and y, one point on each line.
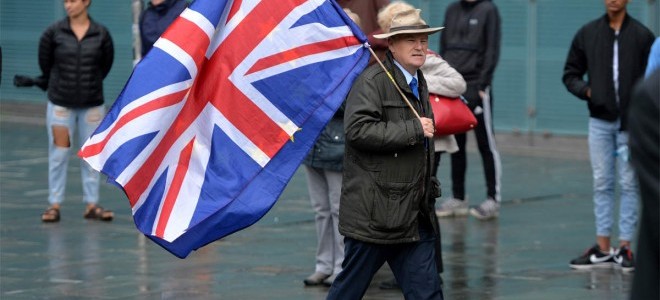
546	219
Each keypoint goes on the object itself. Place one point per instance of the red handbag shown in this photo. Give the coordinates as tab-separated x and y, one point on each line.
451	115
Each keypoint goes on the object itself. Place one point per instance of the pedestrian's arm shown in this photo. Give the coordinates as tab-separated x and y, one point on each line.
574	70
492	52
441	78
364	125
46	53
443	37
108	57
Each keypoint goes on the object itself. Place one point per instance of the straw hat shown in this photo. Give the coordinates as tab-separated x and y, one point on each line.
408	22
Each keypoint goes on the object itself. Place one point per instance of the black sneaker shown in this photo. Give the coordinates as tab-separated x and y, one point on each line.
593	258
624	258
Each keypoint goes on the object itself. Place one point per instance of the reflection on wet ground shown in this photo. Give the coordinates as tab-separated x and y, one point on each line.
546	219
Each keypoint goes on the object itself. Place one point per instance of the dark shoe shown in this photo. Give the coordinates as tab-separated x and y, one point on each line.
624	258
593	258
315	279
51	215
328	281
98	213
389	284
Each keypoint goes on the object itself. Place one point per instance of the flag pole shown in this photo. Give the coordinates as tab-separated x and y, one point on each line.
394	82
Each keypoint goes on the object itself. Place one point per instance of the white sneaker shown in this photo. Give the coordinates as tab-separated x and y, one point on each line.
316	279
489	209
452	207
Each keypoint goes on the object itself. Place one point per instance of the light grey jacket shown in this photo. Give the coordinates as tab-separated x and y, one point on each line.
443	80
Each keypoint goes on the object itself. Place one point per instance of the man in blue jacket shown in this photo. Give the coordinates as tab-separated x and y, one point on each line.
156	18
612	51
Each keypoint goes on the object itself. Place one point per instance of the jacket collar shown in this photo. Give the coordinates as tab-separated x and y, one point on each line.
624	24
66	26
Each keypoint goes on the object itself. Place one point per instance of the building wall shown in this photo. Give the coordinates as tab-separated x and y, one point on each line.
21	25
528	93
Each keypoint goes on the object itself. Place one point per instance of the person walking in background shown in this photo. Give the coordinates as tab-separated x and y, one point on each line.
388	192
158	15
323	166
471	44
368	12
75	55
612	51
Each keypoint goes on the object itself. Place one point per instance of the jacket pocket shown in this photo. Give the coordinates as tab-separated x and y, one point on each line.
394	206
396	110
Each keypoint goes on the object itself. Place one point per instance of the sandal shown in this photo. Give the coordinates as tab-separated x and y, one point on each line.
98	213
51	215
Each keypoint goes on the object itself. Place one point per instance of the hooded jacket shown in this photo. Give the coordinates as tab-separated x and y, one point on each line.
470	42
592	52
75	69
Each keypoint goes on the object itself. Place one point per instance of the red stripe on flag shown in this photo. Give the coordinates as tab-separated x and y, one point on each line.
189	37
212	85
251	121
234	9
303	51
158	103
138	184
175	188
236	106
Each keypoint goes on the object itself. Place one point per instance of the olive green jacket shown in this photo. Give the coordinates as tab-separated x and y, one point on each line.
386	181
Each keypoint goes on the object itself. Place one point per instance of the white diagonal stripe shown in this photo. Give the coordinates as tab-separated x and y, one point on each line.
179	54
200	20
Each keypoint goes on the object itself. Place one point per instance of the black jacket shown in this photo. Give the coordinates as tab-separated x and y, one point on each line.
386	178
592	52
470	42
75	69
328	150
155	19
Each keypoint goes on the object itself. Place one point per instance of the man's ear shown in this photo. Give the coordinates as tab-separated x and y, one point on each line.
390	43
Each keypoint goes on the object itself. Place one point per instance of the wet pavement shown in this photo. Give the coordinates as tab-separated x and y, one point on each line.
546	219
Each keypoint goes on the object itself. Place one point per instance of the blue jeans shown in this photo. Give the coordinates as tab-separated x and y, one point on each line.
85	121
608	149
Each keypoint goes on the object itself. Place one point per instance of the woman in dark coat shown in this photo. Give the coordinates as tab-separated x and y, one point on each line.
75	55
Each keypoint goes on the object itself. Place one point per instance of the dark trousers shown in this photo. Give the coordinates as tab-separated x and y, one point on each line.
486	144
413	265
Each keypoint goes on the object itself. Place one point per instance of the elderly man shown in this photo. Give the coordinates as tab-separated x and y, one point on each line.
388	192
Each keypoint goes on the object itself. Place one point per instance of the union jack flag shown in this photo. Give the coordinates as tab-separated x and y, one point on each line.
217	117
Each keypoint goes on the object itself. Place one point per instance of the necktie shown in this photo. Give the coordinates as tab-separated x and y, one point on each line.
413	87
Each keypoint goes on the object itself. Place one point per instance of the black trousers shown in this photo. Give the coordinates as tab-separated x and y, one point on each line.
482	109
